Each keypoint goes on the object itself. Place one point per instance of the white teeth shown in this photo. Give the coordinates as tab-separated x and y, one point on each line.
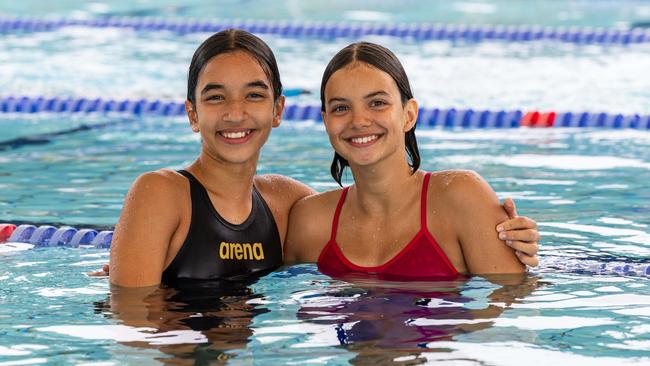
364	140
235	135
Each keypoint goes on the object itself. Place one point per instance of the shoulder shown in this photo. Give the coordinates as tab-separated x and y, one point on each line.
164	177
159	184
280	183
462	189
312	215
281	190
321	203
457	181
310	224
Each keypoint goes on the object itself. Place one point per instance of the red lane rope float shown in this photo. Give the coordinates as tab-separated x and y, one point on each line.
537	119
5	232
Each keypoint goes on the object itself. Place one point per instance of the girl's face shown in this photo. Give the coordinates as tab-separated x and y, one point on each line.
364	115
234	110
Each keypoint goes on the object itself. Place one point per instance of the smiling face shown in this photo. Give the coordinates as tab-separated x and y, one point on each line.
234	109
364	115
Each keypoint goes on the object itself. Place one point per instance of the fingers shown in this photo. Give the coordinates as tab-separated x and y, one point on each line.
102	273
517	223
98	274
526	248
509	206
527	235
532	261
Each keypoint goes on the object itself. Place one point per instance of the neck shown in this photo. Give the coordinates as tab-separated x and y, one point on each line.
230	181
383	187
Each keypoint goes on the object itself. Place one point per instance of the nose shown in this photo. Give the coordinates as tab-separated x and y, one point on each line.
235	111
360	118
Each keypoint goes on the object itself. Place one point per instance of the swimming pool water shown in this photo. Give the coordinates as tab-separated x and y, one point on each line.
125	64
587	189
53	314
593	13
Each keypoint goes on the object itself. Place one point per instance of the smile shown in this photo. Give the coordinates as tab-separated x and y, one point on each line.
363	140
235	137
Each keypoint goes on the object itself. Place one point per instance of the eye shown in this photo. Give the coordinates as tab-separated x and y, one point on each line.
378	103
214	97
255	95
339	108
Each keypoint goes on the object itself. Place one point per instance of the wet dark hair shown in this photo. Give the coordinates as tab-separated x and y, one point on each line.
383	59
231	40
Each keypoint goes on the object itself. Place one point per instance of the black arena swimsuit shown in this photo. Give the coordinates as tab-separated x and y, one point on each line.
215	249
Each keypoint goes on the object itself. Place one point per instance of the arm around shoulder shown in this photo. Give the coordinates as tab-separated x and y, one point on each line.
149	218
478	211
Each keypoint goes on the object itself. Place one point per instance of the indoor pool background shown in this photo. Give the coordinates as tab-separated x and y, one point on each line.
587	188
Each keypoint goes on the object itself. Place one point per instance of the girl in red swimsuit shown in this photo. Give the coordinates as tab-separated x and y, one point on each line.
395	221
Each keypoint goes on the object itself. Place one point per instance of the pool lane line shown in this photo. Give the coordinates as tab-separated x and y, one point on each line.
49	137
51	236
428	117
350	30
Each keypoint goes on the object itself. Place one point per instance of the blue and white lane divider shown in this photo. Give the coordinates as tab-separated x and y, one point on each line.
25	237
28	236
330	30
428	117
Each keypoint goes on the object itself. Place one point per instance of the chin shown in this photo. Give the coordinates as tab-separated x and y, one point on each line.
232	157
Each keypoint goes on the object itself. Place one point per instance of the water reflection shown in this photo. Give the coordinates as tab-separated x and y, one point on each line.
371	322
193	322
396	322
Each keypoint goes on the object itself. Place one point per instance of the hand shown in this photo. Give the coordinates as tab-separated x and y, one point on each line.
520	233
101	273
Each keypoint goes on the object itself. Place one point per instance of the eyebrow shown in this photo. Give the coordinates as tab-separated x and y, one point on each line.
377	93
252	84
367	96
211	86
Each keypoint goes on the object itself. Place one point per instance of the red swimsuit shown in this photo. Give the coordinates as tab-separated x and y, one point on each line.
421	259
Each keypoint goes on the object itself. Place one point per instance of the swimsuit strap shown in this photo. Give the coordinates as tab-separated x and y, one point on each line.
423	205
337	213
186	174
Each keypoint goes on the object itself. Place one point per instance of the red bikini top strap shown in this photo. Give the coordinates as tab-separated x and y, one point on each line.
423	205
337	213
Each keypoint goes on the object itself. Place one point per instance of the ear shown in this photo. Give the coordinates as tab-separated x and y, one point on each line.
411	111
192	116
279	109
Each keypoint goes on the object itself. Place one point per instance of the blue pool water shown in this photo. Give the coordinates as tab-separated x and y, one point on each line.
587	188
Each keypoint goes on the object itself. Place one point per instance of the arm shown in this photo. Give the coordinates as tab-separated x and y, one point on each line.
478	212
149	218
520	233
309	228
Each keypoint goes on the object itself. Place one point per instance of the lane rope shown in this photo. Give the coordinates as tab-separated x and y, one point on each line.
428	117
331	30
50	236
